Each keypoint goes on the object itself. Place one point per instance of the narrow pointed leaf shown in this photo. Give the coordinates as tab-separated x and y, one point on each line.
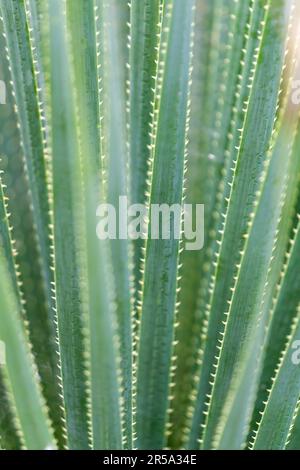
161	262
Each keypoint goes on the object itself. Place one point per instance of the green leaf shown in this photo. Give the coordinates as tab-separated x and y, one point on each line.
34	203
161	260
247	171
281	297
218	51
247	314
97	288
278	416
10	435
144	40
115	160
242	173
19	369
294	432
25	93
66	205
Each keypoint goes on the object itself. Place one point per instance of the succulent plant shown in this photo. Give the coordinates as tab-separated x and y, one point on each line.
138	342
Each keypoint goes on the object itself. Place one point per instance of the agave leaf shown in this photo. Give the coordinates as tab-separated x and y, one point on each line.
7	243
242	317
208	54
25	93
160	279
11	432
278	416
283	311
144	42
219	43
23	77
10	435
283	168
66	204
145	25
38	26
19	369
115	160
98	290
281	297
244	127
261	252
294	432
29	194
